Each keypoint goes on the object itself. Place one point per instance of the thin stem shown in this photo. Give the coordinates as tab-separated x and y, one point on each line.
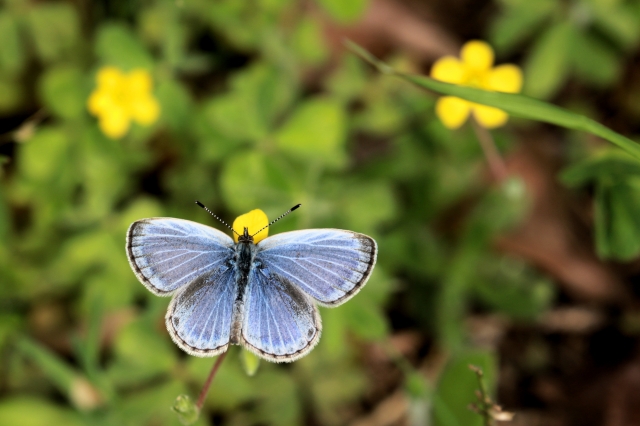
494	160
485	400
207	384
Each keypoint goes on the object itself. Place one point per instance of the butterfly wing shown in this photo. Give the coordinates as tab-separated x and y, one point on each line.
330	265
167	253
200	315
280	323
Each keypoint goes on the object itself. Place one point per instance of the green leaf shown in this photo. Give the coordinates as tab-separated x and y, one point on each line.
508	286
186	410
279	399
252	180
79	254
316	131
250	362
594	61
63	91
11	94
457	386
148	405
57	370
365	320
44	155
141	353
31	411
258	95
358	199
347	81
610	164
4	215
516	105
117	45
55	29
518	23
308	42
12	54
548	64
345	11
176	104
616	220
619	21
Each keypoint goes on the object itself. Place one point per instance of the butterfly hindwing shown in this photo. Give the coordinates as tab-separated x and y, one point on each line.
200	314
330	265
280	322
166	253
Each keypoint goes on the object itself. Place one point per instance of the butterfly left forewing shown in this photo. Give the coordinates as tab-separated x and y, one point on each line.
330	265
167	254
279	322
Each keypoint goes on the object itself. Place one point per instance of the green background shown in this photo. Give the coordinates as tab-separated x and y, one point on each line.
261	109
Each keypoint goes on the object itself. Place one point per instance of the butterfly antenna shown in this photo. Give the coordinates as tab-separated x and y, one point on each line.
214	215
277	219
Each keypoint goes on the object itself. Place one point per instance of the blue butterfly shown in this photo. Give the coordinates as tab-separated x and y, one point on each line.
262	296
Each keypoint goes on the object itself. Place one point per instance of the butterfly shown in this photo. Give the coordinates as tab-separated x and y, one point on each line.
262	295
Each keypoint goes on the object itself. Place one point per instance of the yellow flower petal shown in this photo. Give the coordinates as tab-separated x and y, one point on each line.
99	101
477	55
449	70
254	220
452	111
145	110
504	78
114	123
109	78
139	82
489	117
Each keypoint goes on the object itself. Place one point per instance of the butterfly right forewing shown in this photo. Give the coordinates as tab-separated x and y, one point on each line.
330	265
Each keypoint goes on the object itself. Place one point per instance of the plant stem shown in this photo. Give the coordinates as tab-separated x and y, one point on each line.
207	384
496	162
485	400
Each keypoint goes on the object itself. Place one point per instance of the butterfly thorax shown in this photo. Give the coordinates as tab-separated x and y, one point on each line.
245	251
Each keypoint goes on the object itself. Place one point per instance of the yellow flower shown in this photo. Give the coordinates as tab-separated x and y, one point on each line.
475	69
254	220
120	98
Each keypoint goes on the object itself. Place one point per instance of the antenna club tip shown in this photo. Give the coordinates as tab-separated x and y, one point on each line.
295	207
200	204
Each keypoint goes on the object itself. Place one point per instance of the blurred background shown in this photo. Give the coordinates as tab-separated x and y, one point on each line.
257	104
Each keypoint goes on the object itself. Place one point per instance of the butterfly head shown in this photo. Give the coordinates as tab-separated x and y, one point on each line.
245	237
255	219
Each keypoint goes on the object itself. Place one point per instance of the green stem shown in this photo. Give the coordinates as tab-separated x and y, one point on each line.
514	104
485	400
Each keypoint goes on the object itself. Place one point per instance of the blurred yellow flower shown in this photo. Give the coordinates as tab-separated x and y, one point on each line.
254	220
475	69
120	98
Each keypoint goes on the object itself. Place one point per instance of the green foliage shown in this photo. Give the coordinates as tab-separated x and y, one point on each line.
616	177
31	411
256	113
344	11
585	38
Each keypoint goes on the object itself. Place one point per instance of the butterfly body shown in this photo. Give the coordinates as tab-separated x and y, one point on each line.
262	296
244	255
